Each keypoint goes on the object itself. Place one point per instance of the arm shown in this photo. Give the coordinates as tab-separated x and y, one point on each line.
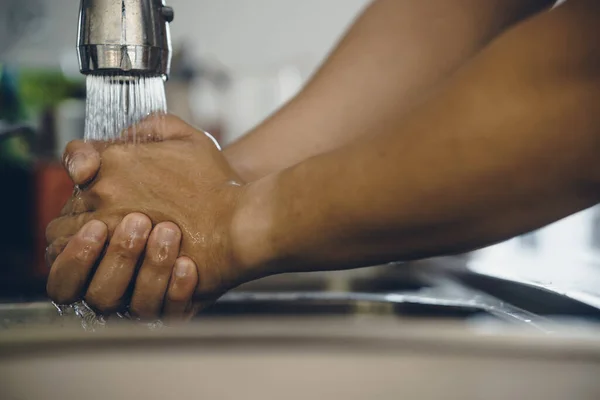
394	54
511	143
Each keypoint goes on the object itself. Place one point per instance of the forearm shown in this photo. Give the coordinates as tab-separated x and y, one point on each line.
394	54
509	144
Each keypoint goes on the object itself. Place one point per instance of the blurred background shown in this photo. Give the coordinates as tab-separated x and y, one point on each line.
235	62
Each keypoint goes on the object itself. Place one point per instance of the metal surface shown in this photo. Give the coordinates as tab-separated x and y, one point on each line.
562	258
298	345
370	358
129	36
442	302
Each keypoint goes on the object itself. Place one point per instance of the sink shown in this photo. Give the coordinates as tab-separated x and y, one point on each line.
297	358
431	337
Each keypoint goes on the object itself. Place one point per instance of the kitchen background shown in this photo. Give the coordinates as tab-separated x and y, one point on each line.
235	62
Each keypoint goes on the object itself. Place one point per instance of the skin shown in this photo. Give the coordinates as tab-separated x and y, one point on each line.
392	58
108	289
500	146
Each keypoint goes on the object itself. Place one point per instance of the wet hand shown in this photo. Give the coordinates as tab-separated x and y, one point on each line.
148	283
162	286
146	178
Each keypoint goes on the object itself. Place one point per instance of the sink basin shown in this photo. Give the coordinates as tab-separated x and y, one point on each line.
441	302
436	340
298	358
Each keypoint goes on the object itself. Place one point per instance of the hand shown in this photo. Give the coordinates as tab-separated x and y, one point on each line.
184	180
161	276
73	259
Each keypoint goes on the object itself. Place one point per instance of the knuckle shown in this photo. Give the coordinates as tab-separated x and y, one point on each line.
52	231
114	154
78	206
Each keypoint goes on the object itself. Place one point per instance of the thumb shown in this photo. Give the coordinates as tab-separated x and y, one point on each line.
82	161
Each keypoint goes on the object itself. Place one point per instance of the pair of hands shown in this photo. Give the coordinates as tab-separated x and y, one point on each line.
148	227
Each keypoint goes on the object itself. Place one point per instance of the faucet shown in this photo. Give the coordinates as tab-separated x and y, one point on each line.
124	37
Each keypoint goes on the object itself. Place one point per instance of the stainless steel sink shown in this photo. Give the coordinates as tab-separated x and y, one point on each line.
432	338
366	357
419	293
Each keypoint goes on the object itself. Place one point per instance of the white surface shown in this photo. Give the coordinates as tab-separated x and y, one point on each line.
565	260
270	47
300	359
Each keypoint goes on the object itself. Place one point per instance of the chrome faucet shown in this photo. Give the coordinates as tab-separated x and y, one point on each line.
128	37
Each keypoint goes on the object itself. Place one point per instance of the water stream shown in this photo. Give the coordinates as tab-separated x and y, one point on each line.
116	102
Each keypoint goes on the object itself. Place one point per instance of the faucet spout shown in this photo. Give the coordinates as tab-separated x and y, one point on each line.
124	36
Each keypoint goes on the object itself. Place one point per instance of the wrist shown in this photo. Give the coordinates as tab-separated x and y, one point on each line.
251	229
240	162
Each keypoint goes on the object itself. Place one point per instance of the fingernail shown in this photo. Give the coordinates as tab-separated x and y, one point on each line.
183	268
135	226
93	230
166	235
74	161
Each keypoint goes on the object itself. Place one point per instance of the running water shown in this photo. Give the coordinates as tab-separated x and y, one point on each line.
116	102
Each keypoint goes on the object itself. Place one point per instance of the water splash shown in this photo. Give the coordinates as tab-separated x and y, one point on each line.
91	321
116	102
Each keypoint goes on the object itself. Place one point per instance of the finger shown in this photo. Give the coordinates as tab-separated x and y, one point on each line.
153	278
180	294
66	226
76	204
70	270
82	161
110	282
69	225
54	249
